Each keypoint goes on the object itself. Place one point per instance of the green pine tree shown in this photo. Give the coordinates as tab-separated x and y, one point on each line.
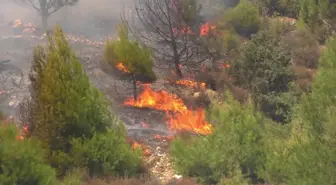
64	103
136	59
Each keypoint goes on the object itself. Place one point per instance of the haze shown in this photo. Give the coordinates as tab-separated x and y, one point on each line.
91	18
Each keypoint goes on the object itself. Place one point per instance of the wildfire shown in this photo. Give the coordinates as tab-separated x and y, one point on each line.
122	68
160	100
206	28
181	119
188	120
190	83
146	151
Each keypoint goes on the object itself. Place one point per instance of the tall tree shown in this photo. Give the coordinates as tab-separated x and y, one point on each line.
47	7
64	105
136	59
166	28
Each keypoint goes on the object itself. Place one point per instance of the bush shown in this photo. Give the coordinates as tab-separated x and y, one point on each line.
107	153
288	8
73	177
263	68
135	59
236	140
21	161
244	18
308	157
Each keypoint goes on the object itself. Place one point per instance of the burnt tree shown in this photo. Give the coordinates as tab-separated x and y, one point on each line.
166	27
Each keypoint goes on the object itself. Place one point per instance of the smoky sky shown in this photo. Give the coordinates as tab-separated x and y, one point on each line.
91	18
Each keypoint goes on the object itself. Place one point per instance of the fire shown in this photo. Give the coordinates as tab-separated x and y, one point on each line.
160	100
190	83
146	151
122	68
206	28
181	119
188	120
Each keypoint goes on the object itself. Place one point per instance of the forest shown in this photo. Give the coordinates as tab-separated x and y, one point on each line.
245	90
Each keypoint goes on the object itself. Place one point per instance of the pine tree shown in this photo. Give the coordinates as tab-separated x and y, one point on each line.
64	105
136	59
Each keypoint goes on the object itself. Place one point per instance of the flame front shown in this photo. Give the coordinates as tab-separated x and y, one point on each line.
188	120
190	83
206	28
160	100
122	68
181	119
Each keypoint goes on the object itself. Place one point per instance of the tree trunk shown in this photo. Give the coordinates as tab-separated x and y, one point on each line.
44	19
178	70
135	94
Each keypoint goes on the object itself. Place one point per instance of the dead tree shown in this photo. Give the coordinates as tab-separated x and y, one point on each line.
46	7
164	29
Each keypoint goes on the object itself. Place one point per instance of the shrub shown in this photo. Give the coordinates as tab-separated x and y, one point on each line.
236	140
263	68
73	177
106	154
288	8
21	161
308	157
244	18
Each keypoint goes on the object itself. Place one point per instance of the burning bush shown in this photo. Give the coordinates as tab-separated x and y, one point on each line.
130	58
21	161
236	140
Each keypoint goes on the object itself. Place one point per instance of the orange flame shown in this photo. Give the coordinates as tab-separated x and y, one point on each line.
122	68
190	121
206	28
146	151
160	100
190	83
184	119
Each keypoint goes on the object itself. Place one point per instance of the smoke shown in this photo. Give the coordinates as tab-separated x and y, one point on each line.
90	18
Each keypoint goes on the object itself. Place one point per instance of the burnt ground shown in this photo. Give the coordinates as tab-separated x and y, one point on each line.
14	88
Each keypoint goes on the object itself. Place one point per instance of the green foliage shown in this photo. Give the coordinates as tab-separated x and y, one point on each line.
107	153
318	17
235	178
21	161
237	140
64	103
288	8
191	14
73	177
244	18
137	60
309	157
230	40
263	68
315	106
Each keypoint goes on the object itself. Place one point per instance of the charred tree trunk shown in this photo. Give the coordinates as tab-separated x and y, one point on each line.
178	70
135	94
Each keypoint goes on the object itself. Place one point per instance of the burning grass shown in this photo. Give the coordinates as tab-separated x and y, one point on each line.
179	117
